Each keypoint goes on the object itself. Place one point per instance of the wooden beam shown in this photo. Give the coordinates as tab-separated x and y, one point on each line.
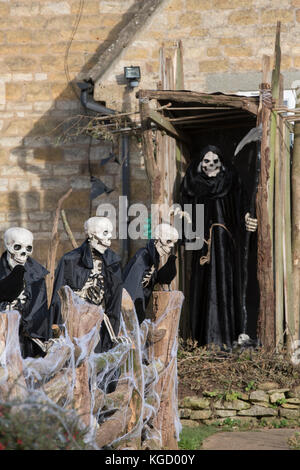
231	112
164	124
248	104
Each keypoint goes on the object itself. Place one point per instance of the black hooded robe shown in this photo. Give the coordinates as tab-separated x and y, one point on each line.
134	272
215	287
35	321
74	269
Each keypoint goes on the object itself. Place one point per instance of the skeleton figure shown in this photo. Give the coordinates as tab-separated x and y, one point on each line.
28	286
18	242
142	272
166	237
210	164
215	302
93	272
99	233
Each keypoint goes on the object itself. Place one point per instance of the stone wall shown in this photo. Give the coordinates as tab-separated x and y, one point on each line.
43	56
268	404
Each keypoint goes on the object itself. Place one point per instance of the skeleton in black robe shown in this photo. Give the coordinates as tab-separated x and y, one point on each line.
216	271
143	271
93	272
23	288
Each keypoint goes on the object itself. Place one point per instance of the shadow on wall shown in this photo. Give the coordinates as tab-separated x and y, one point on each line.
45	167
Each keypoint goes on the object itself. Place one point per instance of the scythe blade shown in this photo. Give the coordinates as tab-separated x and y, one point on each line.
253	135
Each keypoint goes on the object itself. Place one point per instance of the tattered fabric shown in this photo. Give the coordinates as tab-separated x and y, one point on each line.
34	313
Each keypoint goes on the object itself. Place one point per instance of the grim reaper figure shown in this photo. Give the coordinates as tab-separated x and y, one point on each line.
23	288
216	271
93	272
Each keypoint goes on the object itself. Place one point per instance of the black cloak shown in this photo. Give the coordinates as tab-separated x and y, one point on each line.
215	287
34	312
74	269
134	272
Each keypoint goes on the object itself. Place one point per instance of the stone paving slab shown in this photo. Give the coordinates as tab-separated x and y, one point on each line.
268	439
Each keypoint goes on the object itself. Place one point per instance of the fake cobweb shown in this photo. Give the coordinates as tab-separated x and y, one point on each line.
125	398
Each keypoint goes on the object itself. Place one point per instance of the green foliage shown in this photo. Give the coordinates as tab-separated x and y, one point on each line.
250	386
192	438
280	401
231	396
38	426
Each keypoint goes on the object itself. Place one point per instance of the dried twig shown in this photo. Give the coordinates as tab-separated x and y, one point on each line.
68	229
53	247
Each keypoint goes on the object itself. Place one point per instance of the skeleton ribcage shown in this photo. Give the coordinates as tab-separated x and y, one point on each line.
93	289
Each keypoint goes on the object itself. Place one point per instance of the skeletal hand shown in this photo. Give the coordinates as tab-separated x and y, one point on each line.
181	214
147	277
251	224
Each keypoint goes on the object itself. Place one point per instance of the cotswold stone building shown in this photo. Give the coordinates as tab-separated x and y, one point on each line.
47	47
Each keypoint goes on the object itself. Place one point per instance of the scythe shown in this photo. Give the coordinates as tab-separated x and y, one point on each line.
254	135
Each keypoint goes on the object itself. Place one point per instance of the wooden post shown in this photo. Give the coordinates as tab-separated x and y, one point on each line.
278	215
266	317
296	219
166	313
14	387
289	306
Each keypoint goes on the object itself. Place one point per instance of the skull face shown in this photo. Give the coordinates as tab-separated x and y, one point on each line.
18	243
166	237
210	164
99	232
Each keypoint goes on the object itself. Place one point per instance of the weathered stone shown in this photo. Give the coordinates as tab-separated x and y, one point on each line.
231	405
188	423
294	392
293	401
279	390
258	410
293	414
258	396
290	406
184	413
225	413
274	397
266	386
200	414
195	403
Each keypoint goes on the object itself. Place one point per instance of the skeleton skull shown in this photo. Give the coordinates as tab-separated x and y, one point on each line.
99	232
18	243
210	164
166	237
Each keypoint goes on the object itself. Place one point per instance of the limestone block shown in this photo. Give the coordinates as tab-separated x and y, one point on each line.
293	401
184	413
55	8
290	406
294	393
231	405
195	403
258	410
225	413
289	414
258	396
274	397
201	414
